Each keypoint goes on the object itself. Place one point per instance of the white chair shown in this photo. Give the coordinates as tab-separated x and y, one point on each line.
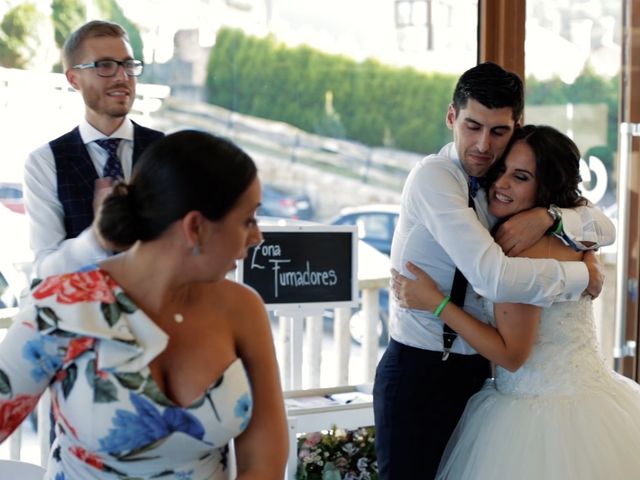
15	470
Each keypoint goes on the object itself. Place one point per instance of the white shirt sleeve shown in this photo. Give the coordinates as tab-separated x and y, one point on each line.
586	228
437	196
53	253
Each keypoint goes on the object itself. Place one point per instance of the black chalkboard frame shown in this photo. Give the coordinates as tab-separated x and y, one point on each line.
296	230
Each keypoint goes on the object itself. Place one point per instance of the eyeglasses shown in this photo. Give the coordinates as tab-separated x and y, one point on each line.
108	68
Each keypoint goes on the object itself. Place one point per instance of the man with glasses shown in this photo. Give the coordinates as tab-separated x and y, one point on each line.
66	179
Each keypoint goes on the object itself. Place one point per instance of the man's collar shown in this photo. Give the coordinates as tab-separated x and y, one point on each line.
90	134
450	151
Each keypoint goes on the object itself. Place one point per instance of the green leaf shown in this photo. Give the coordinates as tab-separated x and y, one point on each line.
5	383
69	380
125	303
135	454
152	391
105	391
90	372
130	381
111	312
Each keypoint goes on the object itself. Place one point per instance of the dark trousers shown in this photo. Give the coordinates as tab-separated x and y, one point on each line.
417	401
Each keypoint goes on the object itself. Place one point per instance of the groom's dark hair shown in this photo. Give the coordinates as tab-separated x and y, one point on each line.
492	86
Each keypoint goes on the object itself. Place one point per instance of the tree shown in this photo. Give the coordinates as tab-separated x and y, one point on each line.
67	16
19	40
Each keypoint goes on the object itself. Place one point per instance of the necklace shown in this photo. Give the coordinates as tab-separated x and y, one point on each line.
181	299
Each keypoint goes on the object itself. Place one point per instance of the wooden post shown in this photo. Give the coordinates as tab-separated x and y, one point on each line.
313	350
501	35
342	340
371	312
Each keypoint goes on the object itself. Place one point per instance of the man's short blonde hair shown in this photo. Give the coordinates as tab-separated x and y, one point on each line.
96	28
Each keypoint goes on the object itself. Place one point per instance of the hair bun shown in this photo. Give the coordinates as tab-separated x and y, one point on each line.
119	221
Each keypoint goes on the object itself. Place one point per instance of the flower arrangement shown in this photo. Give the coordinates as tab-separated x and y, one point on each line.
337	455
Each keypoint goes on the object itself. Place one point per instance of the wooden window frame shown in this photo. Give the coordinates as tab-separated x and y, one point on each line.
501	33
501	37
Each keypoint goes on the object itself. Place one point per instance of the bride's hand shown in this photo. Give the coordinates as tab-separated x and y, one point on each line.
421	293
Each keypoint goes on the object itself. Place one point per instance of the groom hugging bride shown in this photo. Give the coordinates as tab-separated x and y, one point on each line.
553	410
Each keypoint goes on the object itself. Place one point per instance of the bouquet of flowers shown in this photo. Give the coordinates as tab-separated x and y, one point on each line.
337	455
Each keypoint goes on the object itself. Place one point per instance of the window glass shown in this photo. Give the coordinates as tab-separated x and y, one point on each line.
576	90
374	226
335	100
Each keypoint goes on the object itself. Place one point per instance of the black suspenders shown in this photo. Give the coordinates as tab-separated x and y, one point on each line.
458	292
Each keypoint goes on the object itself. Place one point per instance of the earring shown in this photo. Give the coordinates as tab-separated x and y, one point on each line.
196	250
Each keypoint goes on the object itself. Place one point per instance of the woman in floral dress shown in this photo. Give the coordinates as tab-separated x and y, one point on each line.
154	360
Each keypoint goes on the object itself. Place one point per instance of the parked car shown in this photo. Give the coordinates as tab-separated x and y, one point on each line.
376	224
11	196
280	202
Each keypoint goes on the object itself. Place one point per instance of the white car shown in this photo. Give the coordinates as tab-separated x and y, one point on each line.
376	223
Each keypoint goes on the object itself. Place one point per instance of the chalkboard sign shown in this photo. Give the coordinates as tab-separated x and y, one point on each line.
304	266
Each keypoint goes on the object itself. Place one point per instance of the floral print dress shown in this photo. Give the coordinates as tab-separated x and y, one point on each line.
80	335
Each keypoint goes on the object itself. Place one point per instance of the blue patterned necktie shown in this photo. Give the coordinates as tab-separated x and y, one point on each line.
113	167
475	183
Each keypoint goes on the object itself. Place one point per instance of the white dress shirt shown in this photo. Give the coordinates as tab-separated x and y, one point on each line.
53	253
437	230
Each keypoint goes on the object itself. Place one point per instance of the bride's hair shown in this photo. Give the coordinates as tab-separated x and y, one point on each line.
557	165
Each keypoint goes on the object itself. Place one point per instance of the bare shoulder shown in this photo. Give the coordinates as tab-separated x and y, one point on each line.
236	296
551	246
247	318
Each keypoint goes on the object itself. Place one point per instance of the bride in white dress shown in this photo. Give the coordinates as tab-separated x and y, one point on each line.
554	409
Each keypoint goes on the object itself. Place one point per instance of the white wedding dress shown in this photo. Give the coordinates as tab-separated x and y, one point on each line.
563	415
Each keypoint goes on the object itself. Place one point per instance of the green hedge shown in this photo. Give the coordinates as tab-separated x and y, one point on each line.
372	103
19	41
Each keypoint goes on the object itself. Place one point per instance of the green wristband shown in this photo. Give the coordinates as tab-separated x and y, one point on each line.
558	229
443	304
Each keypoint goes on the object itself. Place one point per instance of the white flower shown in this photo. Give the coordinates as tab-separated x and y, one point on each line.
362	464
349	448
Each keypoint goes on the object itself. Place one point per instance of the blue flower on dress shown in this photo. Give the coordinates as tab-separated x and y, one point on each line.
179	420
45	364
243	410
147	425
